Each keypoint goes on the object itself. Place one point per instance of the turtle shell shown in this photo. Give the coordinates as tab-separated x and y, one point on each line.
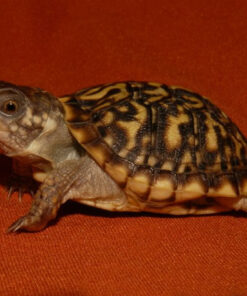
170	149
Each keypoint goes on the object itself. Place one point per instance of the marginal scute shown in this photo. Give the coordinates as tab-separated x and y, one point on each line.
191	190
139	184
84	133
225	185
74	114
192	148
99	150
191	186
118	172
191	208
163	186
160	193
242	180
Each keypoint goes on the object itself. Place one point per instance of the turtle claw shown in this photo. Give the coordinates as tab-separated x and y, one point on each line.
10	192
17	225
20	195
21	185
12	189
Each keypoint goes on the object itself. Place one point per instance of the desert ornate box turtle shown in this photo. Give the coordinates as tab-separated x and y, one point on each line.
126	146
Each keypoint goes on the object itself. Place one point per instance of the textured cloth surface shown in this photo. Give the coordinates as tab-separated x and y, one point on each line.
63	46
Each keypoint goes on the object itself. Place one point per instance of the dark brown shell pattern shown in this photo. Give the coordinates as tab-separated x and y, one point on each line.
170	149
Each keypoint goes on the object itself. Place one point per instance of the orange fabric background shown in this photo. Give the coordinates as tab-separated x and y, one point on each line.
63	46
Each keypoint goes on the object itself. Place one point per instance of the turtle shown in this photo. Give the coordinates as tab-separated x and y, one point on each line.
125	147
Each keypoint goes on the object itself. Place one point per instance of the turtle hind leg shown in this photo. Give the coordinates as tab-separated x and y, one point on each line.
48	198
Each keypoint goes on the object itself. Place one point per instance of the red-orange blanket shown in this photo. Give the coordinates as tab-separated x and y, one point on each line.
63	46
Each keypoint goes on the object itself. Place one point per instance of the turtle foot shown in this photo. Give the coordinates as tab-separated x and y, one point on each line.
28	223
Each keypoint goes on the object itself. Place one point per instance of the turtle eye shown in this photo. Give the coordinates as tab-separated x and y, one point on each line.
12	103
10	107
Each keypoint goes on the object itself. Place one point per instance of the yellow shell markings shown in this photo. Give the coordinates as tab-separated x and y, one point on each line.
165	146
98	95
131	129
173	136
211	137
101	92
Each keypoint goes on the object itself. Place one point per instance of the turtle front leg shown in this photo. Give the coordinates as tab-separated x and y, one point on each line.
44	208
48	198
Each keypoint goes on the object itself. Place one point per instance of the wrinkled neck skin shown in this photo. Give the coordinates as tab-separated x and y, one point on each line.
52	146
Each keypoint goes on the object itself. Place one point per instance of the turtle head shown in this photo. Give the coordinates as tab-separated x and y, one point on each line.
24	112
